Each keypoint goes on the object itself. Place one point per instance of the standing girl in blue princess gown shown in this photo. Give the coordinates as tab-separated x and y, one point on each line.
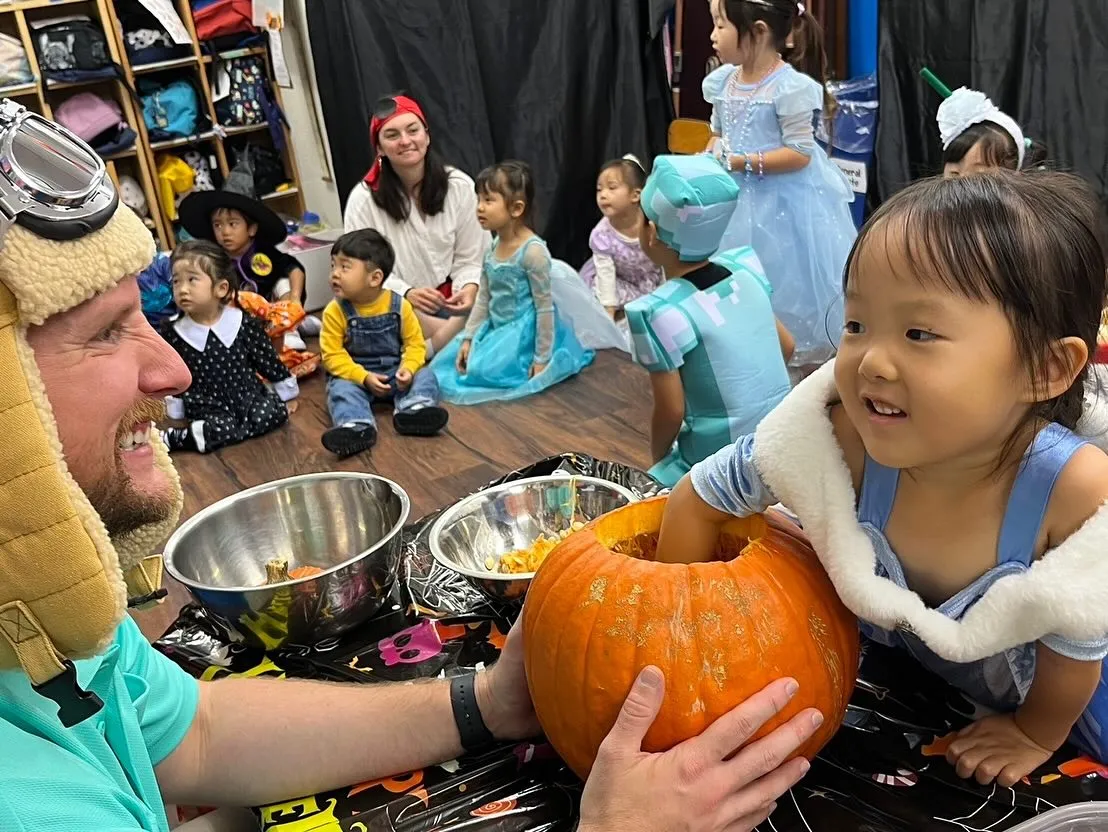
516	343
794	203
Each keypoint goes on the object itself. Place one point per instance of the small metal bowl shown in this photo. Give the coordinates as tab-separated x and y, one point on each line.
347	524
510	517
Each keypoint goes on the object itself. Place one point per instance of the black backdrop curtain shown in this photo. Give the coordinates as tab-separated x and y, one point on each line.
1044	62
561	84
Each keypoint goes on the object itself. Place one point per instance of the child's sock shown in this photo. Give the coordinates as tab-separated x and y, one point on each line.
294	342
311	325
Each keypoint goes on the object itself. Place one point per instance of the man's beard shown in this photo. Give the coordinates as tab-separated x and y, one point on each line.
120	506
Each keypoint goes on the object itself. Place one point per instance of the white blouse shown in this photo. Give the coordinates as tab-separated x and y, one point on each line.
429	250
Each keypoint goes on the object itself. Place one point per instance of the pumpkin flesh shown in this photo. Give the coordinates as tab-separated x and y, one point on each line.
600	609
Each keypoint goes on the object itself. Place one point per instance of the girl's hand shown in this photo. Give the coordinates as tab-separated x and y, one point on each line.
403	379
463	357
995	748
427	301
461	301
536	369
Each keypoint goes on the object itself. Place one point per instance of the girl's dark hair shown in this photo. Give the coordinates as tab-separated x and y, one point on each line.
1034	242
513	181
998	148
212	260
632	171
392	196
368	245
783	18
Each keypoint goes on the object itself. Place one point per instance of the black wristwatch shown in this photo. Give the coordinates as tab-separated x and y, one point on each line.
475	735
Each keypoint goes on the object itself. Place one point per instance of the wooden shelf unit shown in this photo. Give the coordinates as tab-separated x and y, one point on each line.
214	139
43	95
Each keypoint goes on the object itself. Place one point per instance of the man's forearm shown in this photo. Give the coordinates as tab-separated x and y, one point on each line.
262	740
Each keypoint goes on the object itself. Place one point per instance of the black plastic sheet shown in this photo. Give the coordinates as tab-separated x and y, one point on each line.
883	772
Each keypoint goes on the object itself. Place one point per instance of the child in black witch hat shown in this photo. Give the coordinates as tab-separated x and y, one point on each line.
249	232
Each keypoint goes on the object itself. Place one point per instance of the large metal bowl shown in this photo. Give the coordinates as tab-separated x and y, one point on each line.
509	517
347	524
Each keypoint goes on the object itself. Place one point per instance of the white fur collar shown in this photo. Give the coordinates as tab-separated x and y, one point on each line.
226	329
1064	593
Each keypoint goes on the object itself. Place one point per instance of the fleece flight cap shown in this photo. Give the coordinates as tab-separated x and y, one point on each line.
64	584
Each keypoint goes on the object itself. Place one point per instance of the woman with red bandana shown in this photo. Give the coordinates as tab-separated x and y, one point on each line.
428	212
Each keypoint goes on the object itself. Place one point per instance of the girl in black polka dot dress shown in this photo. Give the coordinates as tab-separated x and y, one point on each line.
226	350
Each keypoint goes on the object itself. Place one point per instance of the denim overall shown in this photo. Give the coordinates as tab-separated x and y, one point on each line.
999	682
374	343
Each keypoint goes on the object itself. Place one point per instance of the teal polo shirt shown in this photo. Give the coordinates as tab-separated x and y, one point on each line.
98	774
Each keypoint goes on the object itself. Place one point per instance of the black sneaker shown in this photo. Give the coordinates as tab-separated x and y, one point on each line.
424	421
179	439
350	439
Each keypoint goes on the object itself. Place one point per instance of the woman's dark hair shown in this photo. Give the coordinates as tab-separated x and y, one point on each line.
1034	242
630	169
998	148
513	181
212	260
784	18
392	196
368	245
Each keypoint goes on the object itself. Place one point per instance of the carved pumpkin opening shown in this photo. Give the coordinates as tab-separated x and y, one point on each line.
635	534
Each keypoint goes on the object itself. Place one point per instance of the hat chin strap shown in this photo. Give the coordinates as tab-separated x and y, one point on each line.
51	674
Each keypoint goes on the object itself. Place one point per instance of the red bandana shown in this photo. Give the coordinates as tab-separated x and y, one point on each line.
377	124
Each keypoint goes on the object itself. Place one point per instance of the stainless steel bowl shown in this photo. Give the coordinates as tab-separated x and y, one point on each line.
347	524
510	517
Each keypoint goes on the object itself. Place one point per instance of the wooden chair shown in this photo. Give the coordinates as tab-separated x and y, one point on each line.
689	135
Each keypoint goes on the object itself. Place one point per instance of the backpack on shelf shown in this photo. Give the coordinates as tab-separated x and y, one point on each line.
72	49
244	90
263	164
218	18
14	66
171	111
144	37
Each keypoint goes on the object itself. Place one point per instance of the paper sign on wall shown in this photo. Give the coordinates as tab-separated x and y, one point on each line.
855	172
167	16
269	14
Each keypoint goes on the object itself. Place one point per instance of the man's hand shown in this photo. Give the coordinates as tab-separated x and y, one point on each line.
462	362
502	694
377	384
461	302
403	378
427	301
697	785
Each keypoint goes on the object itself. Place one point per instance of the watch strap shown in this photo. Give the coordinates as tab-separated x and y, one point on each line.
474	734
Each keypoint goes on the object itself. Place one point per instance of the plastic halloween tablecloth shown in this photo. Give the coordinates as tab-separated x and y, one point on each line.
883	772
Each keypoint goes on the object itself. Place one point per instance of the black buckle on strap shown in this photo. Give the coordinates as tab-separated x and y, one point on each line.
74	704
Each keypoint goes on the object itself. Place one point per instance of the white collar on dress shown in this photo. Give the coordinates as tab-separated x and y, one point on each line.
226	329
1065	592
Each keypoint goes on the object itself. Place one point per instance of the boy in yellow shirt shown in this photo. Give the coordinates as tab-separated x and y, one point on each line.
373	350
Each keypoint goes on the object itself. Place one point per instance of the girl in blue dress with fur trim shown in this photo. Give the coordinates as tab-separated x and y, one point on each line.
794	203
516	342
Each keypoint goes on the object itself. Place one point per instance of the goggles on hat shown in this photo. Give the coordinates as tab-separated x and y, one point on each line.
51	182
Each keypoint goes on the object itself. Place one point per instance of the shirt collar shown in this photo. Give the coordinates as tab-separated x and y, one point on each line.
226	329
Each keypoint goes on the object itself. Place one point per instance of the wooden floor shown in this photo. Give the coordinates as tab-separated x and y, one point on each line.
604	412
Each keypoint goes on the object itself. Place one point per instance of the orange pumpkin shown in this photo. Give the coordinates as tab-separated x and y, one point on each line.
599	610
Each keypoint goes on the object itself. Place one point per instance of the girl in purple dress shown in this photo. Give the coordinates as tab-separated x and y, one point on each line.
619	272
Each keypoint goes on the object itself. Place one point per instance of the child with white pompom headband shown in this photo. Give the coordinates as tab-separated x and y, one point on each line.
978	136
